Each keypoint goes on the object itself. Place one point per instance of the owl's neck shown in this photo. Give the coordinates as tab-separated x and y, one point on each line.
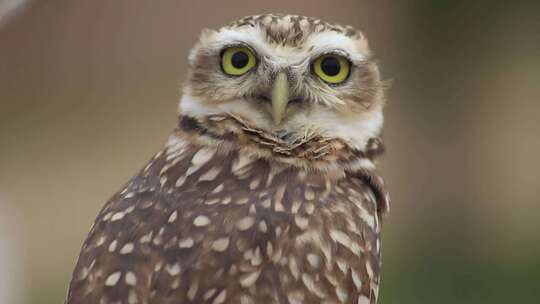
310	151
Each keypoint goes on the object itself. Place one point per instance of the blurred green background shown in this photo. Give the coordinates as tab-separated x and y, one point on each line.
89	91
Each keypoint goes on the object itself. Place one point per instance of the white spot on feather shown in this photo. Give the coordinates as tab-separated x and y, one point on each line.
363	299
295	297
293	267
146	238
342	294
221	244
211	174
369	270
345	240
248	280
117	216
301	222
100	241
180	181
313	260
254	184
263	227
130	278
209	293
173	216
241	164
218	189
113	278
245	223
127	248
202	156
201	221
309	194
356	280
112	246
312	286
132	297
173	270
192	291
221	297
186	243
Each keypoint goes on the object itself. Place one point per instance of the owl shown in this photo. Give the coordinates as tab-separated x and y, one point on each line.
266	191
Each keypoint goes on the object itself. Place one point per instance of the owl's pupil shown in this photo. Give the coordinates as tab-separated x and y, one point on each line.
330	66
239	60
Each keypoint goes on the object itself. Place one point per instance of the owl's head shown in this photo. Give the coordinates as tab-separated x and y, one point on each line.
287	76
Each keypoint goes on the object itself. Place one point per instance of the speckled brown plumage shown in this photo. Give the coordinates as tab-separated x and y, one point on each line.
201	226
232	212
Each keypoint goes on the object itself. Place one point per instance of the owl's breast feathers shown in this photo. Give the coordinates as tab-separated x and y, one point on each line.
208	222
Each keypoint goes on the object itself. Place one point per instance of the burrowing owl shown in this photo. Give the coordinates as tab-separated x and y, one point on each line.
266	191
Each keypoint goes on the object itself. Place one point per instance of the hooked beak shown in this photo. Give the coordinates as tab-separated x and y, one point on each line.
280	97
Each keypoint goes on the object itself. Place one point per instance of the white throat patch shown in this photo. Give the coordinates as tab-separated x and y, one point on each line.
356	132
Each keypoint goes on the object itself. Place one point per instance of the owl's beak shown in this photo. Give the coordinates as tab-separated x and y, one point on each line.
280	97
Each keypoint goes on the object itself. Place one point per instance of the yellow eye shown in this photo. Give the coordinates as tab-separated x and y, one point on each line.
332	69
237	61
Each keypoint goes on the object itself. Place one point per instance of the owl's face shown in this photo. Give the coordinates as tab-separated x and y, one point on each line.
287	75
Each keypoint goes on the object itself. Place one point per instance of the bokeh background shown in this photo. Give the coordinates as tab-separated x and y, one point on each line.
89	89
